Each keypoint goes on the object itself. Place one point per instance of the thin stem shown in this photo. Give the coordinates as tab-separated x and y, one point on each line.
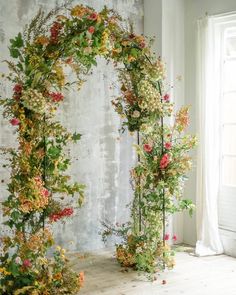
44	165
139	195
163	190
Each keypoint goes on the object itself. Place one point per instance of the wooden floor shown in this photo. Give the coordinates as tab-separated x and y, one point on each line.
192	275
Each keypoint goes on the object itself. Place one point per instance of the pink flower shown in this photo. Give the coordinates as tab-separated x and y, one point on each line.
93	16
14	122
18	260
165	160
91	30
142	44
27	263
168	145
166	97
174	238
46	193
167	236
147	148
56	96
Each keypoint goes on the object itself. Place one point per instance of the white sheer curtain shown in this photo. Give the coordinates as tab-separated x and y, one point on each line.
209	242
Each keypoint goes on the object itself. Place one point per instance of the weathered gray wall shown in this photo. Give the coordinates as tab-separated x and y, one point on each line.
103	161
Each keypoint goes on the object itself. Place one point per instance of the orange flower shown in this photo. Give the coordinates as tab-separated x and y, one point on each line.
57	276
81	278
80	11
42	40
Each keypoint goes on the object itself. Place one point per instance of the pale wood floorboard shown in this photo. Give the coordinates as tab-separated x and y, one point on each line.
215	275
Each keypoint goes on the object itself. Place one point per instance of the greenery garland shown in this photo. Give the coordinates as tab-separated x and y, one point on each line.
40	192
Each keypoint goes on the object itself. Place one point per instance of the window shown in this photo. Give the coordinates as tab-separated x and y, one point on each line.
227	193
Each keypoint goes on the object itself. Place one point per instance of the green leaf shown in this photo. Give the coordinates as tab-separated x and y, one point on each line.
15	53
54	152
76	136
15	215
13	268
18	41
36	79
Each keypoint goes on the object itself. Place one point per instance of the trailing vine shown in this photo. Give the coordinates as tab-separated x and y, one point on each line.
40	191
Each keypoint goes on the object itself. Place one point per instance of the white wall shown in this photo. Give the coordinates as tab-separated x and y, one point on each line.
164	19
195	9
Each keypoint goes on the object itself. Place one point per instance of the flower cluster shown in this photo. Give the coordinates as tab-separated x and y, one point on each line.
56	96
17	91
64	213
55	30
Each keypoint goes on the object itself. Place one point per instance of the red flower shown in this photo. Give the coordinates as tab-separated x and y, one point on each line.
147	148
14	122
174	238
64	213
166	97
91	30
55	30
93	16
56	96
165	160
167	236
17	88
168	145
27	263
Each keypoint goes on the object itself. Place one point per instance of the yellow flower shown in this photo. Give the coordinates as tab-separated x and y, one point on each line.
58	248
4	271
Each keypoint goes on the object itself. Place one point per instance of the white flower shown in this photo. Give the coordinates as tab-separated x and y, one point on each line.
139	250
136	114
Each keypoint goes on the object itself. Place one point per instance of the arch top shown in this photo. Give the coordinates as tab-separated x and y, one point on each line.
52	41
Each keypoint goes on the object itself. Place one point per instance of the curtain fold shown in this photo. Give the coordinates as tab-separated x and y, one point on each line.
208	170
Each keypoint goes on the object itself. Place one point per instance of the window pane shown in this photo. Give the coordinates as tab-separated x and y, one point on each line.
229	139
231	47
230	75
229	171
229	108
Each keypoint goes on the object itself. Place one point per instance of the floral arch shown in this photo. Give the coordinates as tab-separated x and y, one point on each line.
40	191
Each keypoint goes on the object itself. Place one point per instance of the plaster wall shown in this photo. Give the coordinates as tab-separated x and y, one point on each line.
103	157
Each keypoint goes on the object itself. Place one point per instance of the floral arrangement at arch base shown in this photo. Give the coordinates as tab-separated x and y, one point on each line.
40	191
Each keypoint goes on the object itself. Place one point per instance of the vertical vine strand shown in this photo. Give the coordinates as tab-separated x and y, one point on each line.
139	193
163	190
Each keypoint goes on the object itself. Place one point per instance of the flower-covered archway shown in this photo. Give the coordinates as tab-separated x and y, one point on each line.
40	191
